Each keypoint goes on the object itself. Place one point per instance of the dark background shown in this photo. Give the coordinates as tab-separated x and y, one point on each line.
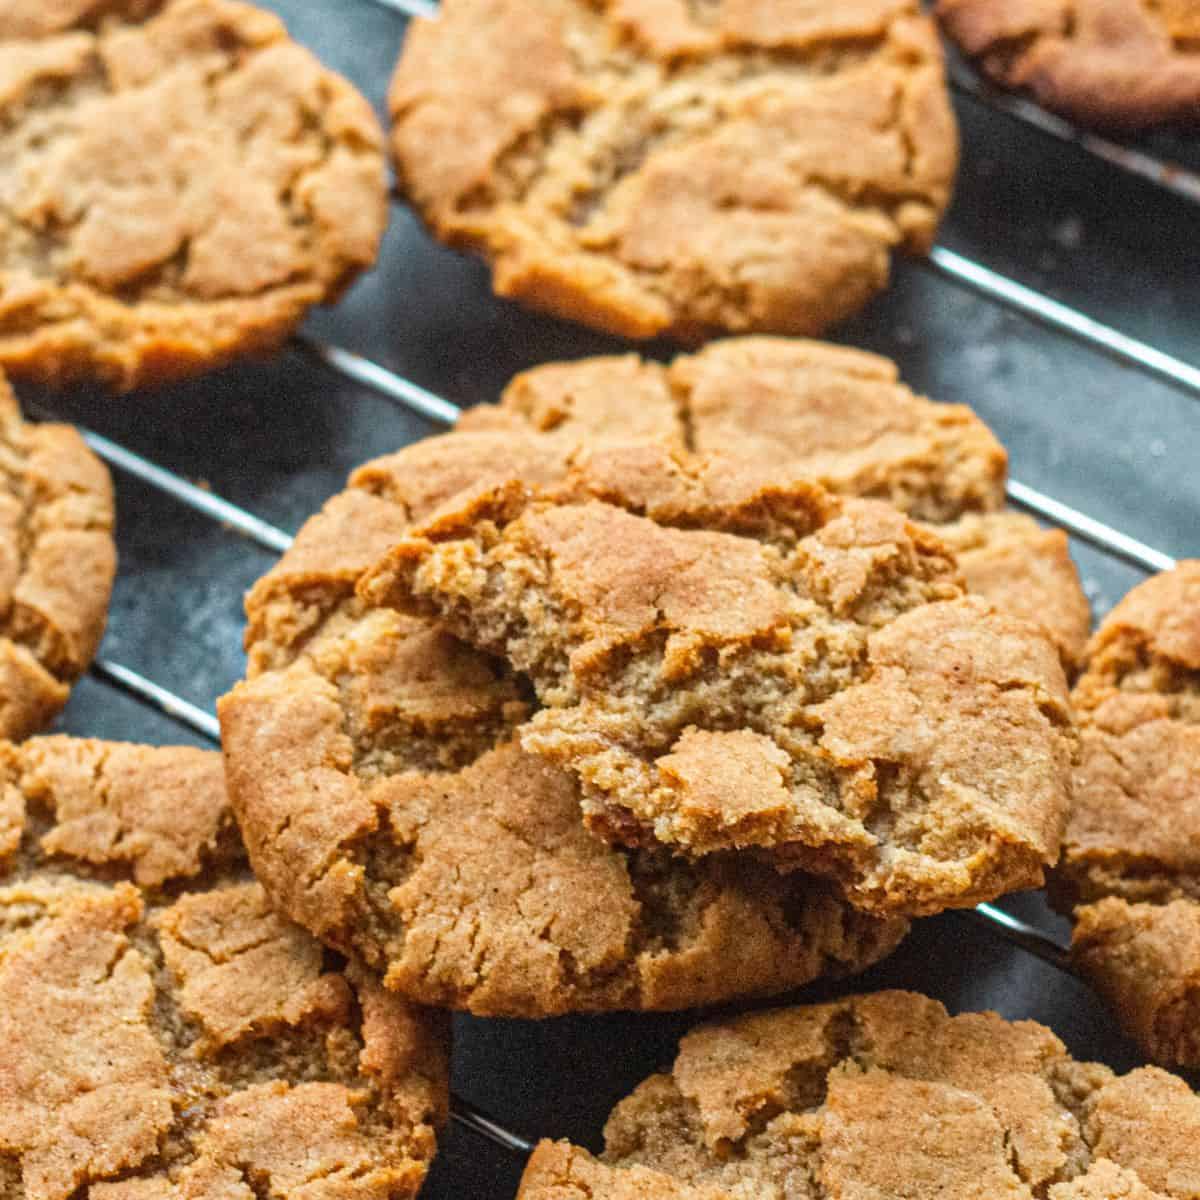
278	437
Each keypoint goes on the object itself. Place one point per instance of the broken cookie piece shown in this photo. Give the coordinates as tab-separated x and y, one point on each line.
165	1032
678	169
884	1095
1130	870
727	663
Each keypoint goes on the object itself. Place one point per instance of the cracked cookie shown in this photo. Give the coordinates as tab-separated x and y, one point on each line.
165	1033
180	183
678	169
838	416
1129	64
373	766
1131	854
884	1095
57	562
727	661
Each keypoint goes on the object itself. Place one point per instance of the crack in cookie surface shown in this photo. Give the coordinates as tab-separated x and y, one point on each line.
678	170
181	183
879	1095
166	1033
730	661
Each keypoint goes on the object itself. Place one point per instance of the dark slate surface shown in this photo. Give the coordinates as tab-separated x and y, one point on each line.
279	437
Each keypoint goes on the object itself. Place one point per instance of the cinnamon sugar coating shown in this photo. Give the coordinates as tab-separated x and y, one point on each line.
166	1033
674	168
180	183
728	661
884	1095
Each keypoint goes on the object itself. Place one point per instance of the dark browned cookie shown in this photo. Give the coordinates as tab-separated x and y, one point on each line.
1128	64
678	168
373	766
729	659
179	184
838	416
165	1034
1131	857
57	562
884	1095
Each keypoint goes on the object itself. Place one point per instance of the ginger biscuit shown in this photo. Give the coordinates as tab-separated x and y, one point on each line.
180	183
57	562
730	662
165	1032
374	766
678	169
884	1095
1131	855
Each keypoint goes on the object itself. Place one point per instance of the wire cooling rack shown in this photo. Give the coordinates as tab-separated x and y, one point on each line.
1060	304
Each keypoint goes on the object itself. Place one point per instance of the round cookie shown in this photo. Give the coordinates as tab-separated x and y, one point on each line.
1131	856
835	415
386	807
165	1033
678	169
57	562
884	1095
181	183
1125	64
728	661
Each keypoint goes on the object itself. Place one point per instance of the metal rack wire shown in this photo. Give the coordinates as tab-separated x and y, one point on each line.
947	264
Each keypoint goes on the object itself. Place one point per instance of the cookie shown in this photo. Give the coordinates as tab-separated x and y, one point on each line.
728	662
835	415
1126	64
884	1095
1131	855
57	562
167	1034
181	183
374	769
678	169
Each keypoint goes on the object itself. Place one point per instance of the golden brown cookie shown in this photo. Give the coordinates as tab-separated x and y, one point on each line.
884	1095
1129	64
373	767
838	416
180	183
164	1032
728	661
1026	570
677	168
1131	856
57	562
